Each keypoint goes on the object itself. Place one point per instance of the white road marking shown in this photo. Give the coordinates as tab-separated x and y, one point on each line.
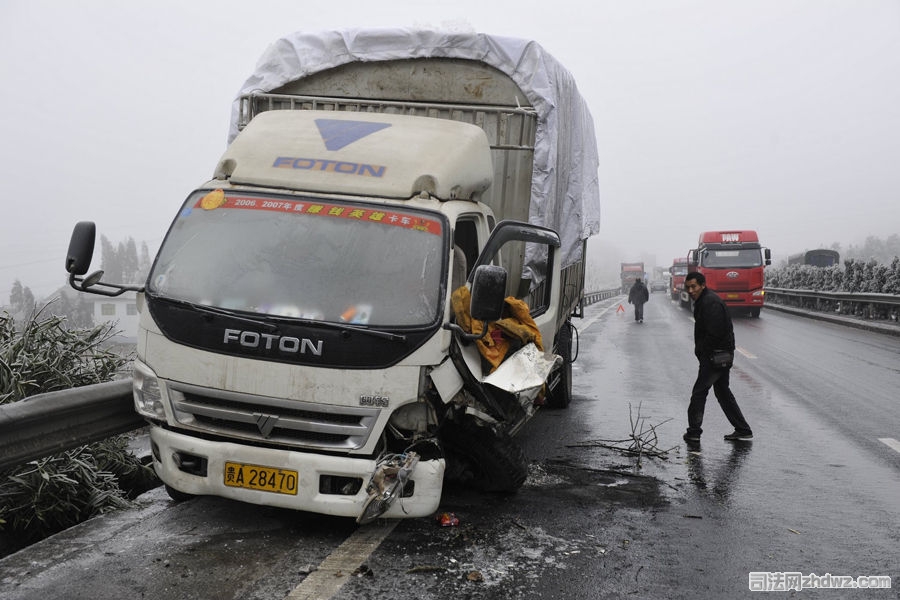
337	568
890	443
588	322
749	355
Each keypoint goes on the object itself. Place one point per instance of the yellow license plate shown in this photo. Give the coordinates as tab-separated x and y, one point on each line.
256	477
732	296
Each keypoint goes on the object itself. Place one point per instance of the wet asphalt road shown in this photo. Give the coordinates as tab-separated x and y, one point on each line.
816	492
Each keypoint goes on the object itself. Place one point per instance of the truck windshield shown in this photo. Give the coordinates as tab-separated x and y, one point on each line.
302	258
732	258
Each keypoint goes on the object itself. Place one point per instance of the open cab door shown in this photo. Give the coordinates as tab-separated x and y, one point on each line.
510	239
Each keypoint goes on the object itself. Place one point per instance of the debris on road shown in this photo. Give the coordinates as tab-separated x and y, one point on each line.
447	519
425	569
642	442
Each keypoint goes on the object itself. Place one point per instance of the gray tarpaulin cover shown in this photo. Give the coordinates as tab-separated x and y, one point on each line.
564	192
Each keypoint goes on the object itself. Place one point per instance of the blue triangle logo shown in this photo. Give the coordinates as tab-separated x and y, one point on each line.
339	133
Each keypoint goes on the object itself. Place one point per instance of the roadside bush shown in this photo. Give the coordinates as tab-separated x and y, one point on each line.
48	495
865	277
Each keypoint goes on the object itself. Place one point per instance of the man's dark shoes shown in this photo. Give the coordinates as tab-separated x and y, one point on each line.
738	436
693	438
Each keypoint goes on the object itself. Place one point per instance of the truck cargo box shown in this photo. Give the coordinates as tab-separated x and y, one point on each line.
539	126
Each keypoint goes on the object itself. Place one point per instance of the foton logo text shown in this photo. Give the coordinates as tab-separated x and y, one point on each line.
267	341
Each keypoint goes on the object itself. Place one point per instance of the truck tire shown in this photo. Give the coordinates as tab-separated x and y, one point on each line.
561	395
479	458
178	496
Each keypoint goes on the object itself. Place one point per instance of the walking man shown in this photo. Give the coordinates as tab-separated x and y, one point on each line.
638	295
712	331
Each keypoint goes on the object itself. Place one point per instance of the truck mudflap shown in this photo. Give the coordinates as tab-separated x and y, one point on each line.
197	467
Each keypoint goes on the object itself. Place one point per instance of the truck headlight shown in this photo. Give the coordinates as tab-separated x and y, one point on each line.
147	396
759	293
414	417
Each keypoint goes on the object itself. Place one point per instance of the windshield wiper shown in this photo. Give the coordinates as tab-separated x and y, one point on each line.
267	320
388	335
224	312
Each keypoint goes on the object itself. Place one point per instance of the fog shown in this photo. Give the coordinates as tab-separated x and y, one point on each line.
776	115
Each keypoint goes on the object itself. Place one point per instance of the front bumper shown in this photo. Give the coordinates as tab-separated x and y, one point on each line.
428	476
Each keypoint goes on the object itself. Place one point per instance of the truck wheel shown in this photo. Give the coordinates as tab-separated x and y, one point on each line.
561	395
754	313
478	457
178	496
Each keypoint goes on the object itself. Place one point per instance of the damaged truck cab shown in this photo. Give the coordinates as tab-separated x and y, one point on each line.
362	301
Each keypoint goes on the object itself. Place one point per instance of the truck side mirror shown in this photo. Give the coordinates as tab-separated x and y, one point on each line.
768	255
488	292
81	248
78	261
692	258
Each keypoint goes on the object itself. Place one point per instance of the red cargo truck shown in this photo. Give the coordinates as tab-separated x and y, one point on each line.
733	263
629	271
678	270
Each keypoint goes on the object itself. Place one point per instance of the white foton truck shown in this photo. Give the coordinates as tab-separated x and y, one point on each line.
311	329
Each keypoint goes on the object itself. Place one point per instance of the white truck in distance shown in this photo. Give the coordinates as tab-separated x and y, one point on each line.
300	342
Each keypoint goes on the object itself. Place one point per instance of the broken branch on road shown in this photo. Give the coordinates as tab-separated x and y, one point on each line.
643	440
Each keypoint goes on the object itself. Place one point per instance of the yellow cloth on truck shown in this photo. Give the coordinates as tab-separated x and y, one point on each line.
516	328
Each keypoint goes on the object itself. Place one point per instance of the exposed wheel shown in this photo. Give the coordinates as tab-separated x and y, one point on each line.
561	395
482	459
178	496
754	312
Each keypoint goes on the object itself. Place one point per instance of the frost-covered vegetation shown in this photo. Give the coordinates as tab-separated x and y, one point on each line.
856	276
48	495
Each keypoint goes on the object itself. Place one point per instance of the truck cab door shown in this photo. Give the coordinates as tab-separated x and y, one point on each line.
693	259
505	247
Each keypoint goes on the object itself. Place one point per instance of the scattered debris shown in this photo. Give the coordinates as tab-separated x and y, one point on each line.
426	569
363	571
793	531
475	576
447	519
642	442
692	516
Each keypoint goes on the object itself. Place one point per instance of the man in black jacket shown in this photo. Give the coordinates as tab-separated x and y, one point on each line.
712	331
638	295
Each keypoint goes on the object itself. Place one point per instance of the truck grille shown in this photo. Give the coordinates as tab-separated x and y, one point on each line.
731	286
272	420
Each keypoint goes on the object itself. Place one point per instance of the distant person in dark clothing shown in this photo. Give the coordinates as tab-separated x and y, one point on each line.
712	331
638	295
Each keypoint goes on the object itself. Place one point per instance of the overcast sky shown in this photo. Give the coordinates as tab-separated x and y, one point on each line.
776	115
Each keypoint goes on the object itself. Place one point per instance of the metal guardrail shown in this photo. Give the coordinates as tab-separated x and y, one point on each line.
593	297
868	306
56	421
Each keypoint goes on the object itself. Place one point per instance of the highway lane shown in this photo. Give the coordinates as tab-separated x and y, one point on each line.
847	378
